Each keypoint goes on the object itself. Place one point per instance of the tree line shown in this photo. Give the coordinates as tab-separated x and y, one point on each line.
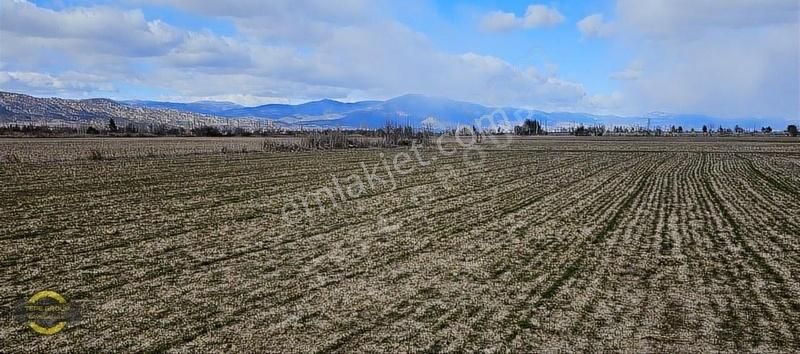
395	133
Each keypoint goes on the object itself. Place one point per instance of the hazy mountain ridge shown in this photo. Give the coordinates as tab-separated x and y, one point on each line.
202	107
413	109
324	107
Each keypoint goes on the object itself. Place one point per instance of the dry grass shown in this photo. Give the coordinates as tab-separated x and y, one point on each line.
549	244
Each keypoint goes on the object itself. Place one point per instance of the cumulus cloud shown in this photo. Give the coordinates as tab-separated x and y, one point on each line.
350	61
733	58
354	54
205	49
69	83
499	21
104	29
541	16
491	80
594	26
535	16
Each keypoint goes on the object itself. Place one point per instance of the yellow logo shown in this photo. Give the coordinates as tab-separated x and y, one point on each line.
47	312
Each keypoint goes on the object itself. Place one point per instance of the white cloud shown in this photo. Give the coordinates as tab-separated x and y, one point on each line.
731	59
207	50
98	29
627	74
594	26
354	54
343	11
671	18
536	16
299	21
68	83
604	103
351	61
499	21
632	72
541	16
491	80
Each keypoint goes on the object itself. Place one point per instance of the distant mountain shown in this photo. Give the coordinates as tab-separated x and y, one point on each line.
412	109
445	113
320	108
25	109
204	107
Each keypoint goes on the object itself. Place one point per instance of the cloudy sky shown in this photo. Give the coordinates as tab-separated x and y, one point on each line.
729	58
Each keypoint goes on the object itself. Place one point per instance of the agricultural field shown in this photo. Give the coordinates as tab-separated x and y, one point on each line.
520	245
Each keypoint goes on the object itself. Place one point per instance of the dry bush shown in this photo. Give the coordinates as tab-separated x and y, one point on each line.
281	146
95	155
329	140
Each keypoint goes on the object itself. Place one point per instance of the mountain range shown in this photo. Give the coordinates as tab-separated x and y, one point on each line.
417	110
412	109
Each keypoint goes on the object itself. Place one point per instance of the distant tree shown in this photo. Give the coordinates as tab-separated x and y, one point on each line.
738	129
206	131
176	131
705	129
112	125
589	131
766	130
529	127
680	129
130	128
92	130
792	130
239	131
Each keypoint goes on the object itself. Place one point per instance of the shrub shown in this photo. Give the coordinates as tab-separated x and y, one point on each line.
206	131
96	155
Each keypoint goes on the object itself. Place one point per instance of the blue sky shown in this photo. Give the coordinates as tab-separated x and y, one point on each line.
734	58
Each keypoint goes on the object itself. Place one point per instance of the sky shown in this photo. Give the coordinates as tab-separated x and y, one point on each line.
726	58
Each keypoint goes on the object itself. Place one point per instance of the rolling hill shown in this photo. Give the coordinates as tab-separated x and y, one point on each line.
25	109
